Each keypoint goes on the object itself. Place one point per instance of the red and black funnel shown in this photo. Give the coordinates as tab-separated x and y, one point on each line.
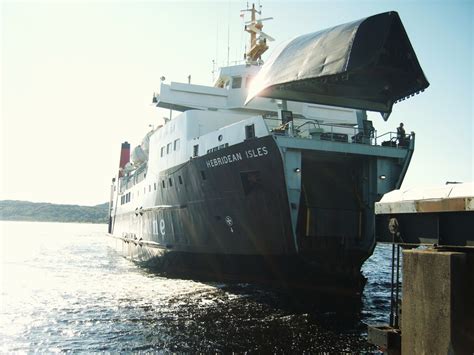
124	157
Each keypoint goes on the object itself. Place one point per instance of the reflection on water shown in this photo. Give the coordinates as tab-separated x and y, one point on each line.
63	289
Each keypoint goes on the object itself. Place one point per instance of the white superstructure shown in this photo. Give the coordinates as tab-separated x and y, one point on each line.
215	117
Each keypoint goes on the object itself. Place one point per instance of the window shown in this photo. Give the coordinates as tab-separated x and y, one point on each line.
163	183
168	148
170	181
154	185
203	175
180	180
196	150
162	151
149	188
250	131
176	144
236	82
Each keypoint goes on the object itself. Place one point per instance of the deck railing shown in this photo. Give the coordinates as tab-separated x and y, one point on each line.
314	129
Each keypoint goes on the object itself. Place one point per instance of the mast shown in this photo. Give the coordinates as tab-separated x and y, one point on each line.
258	39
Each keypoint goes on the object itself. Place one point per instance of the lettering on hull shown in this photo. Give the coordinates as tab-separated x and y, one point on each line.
238	156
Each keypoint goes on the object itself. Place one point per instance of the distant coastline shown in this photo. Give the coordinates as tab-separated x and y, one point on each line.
11	210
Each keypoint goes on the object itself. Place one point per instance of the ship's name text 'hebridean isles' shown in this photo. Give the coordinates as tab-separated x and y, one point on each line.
231	158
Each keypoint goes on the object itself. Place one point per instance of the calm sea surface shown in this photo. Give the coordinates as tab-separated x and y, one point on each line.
63	289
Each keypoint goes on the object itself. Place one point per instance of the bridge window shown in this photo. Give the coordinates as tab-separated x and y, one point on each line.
168	148
176	144
180	180
171	182
196	150
162	151
236	82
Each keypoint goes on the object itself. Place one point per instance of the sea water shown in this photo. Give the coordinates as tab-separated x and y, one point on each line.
63	289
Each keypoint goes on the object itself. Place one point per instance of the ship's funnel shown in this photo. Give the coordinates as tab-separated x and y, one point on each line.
367	64
124	157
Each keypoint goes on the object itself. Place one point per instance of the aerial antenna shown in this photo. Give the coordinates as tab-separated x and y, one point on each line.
228	34
213	70
228	44
216	58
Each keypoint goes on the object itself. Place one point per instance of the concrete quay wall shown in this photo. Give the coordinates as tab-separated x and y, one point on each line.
438	302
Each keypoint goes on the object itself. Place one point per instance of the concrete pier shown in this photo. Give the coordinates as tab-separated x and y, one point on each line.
437	313
438	302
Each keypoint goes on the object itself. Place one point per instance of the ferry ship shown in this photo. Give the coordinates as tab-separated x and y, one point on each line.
271	173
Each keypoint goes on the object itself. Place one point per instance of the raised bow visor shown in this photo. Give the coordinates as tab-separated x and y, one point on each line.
367	64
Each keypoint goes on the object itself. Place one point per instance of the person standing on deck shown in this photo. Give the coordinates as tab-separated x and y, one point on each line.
401	136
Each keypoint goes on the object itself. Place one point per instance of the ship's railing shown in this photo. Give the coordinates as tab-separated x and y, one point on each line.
387	137
348	133
391	139
132	178
315	129
336	132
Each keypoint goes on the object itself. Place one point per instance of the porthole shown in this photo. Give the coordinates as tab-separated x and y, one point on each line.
220	137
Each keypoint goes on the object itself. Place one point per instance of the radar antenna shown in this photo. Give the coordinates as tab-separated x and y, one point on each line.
258	38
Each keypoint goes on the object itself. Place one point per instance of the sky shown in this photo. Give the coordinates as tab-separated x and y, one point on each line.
77	79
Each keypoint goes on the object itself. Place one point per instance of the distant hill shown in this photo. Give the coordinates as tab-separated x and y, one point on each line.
49	212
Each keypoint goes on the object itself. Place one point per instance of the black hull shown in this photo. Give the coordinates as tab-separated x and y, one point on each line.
282	272
212	212
227	216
